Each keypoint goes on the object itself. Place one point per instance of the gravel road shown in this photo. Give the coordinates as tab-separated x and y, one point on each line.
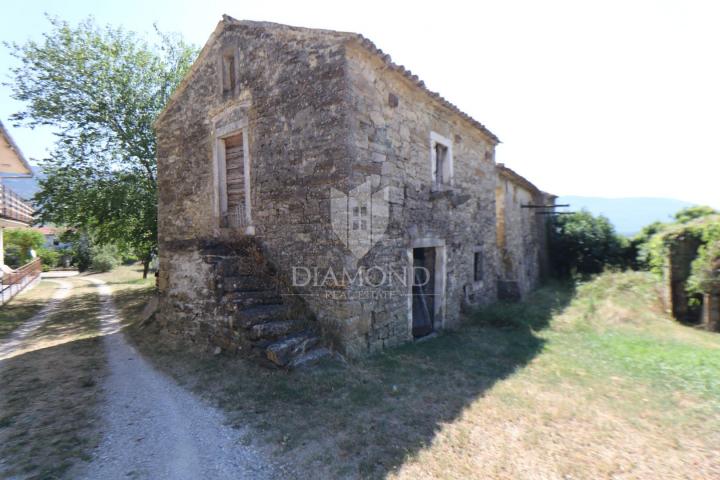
156	430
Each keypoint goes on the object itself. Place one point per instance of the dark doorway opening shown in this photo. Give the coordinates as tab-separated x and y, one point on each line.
423	290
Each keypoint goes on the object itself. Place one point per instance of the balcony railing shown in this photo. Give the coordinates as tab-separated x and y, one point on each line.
30	269
13	207
14	282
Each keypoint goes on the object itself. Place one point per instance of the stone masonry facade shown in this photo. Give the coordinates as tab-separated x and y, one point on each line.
271	128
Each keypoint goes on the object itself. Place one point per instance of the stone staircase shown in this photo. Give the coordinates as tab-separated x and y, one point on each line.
277	327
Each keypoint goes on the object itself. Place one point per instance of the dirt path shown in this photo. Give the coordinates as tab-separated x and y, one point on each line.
13	344
154	429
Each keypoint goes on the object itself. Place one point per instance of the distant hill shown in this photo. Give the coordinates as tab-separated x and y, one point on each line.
25	187
628	215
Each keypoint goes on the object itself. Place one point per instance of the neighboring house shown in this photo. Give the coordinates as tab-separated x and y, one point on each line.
14	213
312	192
52	237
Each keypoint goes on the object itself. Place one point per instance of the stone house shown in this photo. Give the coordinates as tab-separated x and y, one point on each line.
312	193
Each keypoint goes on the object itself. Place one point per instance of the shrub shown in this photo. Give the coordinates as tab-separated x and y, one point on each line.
49	258
13	257
705	273
581	243
104	258
691	213
103	262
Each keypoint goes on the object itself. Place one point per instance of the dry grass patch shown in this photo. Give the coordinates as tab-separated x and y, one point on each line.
23	306
367	418
593	383
48	415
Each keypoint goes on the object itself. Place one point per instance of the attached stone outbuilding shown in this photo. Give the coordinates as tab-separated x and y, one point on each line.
312	193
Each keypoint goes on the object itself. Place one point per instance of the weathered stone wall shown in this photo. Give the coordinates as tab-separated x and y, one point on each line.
521	238
391	124
291	91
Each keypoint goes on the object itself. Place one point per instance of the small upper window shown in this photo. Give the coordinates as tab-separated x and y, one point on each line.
478	267
441	156
441	160
228	72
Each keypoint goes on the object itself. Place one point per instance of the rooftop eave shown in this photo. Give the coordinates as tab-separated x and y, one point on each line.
25	169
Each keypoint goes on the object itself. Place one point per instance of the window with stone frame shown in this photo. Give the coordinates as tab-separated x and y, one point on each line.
228	72
441	160
477	267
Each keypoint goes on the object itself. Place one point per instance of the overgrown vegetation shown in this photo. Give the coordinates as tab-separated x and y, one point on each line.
583	244
699	223
101	88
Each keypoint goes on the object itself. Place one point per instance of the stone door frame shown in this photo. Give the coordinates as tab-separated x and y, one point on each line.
219	180
440	279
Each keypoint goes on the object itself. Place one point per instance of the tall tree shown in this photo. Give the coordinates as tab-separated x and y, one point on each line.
101	88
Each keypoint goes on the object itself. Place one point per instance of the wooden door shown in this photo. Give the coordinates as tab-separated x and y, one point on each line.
423	290
235	179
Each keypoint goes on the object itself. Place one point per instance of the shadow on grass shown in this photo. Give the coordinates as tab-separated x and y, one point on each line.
48	408
366	418
77	316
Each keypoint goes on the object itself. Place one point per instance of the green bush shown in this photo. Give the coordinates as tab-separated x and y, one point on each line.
104	258
49	258
581	243
13	257
692	213
103	262
705	273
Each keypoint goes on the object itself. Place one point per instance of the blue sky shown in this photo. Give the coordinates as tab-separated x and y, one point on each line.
612	98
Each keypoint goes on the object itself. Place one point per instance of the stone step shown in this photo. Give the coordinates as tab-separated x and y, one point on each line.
276	329
248	317
310	358
243	300
246	283
286	349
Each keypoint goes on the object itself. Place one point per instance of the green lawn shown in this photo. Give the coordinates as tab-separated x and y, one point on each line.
586	381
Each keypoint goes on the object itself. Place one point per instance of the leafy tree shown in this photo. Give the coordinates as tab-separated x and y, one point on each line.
691	213
705	273
641	246
19	241
581	243
101	89
80	248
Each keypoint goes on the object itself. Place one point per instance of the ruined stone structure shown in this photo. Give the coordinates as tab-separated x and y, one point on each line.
702	309
312	193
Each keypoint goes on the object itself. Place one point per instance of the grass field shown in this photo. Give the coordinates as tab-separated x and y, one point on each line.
580	381
583	381
24	306
51	387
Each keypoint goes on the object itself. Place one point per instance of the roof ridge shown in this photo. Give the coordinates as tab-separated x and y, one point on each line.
415	80
362	41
